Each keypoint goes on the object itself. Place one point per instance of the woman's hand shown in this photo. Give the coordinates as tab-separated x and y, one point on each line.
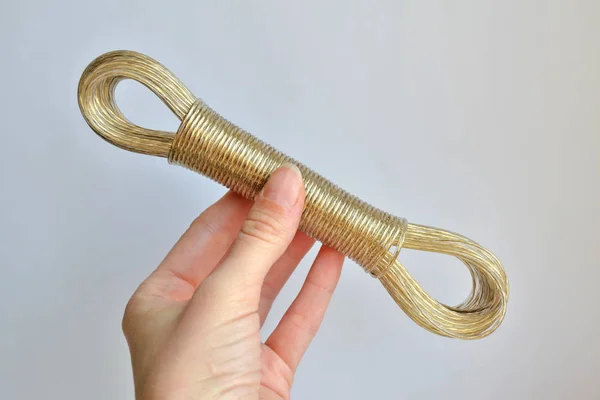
193	326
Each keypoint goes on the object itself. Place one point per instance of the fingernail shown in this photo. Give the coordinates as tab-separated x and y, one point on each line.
283	187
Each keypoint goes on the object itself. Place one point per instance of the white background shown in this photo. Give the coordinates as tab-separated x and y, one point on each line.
481	117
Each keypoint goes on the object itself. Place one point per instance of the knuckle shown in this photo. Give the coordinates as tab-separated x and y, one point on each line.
202	223
318	287
304	322
131	316
127	323
265	225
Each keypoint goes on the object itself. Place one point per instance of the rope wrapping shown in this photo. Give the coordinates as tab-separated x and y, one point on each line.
212	146
209	144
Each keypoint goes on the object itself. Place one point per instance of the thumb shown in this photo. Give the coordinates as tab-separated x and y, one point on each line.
268	229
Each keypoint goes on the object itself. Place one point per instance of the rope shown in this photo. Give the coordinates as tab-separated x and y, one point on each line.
212	146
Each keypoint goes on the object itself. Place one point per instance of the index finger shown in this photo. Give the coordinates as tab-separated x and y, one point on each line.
198	251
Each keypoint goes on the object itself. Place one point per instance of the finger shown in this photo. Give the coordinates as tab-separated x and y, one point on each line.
301	322
232	291
279	274
198	251
266	232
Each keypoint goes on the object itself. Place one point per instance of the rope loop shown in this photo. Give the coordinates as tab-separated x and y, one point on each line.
96	95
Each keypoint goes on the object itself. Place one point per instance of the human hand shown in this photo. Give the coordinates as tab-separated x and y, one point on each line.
193	326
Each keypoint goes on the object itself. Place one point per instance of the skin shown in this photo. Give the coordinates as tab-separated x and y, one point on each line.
193	326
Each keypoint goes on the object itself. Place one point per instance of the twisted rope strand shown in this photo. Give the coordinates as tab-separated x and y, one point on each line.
209	144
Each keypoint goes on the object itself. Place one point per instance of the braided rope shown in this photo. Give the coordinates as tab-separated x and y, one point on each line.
212	146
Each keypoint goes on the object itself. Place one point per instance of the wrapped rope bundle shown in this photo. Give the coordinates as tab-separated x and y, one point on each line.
212	146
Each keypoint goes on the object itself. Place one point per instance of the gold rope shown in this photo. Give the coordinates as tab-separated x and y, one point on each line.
209	144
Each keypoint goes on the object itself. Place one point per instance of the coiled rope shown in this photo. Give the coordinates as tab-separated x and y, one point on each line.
207	143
